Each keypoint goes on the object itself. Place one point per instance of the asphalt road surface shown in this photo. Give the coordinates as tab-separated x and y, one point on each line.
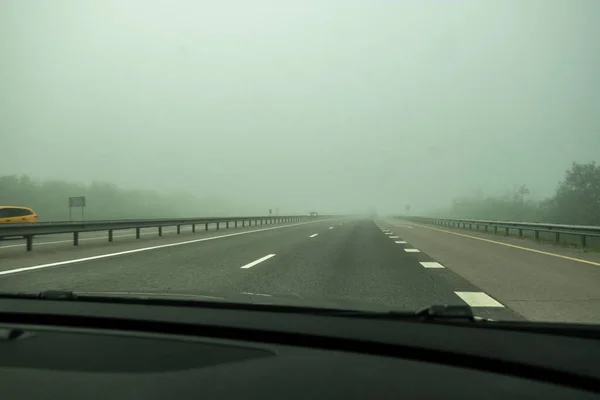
386	263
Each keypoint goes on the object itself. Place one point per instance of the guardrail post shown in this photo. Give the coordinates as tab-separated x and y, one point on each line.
557	237
537	235
75	238
520	232
226	224
470	227
178	229
193	228
261	221
582	240
486	228
243	223
29	242
160	231
218	223
235	224
506	232
495	230
137	233
206	226
110	235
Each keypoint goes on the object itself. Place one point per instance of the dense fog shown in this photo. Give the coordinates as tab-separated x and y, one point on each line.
238	107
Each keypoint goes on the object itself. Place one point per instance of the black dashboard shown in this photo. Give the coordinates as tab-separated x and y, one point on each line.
75	350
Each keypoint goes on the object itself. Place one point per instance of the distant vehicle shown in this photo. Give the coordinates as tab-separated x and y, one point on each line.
312	214
17	215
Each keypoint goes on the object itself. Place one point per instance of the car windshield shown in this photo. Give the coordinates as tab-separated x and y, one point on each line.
389	155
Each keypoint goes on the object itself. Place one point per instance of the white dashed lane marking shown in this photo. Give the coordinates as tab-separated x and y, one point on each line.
431	264
313	235
478	299
400	242
411	250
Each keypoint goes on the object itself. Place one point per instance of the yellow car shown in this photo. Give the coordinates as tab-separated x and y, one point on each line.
17	215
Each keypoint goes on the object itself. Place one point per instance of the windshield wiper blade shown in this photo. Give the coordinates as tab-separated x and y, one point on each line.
46	294
447	312
435	312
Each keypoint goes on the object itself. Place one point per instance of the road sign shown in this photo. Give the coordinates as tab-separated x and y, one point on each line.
76	202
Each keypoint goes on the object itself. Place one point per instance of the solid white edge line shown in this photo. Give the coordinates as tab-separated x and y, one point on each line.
162	246
253	263
412	250
431	264
400	241
478	299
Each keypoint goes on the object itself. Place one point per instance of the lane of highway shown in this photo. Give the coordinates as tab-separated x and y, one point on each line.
542	282
96	243
353	260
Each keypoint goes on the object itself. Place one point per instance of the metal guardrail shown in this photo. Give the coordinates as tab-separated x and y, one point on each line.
29	231
582	231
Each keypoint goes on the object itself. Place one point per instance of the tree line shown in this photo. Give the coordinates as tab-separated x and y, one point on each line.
576	201
49	199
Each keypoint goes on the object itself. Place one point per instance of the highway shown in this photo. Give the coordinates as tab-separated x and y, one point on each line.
388	263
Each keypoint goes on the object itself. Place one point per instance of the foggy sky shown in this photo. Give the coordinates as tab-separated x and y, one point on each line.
329	105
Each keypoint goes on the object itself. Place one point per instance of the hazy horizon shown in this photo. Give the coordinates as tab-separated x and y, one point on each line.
336	106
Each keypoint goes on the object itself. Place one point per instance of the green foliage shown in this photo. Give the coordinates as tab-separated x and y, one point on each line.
577	202
104	201
514	206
